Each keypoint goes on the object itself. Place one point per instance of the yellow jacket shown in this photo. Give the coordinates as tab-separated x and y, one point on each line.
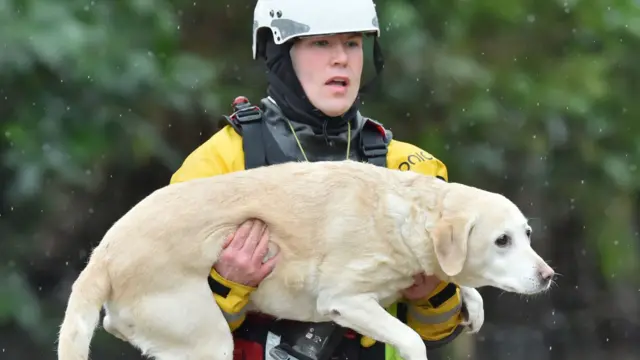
223	154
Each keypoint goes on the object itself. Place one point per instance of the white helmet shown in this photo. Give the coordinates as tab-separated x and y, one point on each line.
288	19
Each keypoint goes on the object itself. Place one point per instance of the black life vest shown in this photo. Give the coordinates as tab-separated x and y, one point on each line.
261	148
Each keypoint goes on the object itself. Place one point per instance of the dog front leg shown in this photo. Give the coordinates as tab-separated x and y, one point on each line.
363	314
474	305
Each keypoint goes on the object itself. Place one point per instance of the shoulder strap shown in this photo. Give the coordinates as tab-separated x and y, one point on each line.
374	141
247	121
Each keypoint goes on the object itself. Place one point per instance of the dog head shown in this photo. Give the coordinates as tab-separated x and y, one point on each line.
483	239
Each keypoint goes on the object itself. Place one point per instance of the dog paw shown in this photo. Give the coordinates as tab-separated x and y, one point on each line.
473	305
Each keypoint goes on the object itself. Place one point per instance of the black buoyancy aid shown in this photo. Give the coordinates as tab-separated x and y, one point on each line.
268	140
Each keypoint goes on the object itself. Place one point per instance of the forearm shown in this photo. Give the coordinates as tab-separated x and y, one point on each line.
437	317
232	298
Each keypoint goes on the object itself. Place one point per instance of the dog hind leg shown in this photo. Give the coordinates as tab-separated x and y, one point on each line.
184	323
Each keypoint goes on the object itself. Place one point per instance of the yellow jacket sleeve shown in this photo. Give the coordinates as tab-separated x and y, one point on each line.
438	316
221	154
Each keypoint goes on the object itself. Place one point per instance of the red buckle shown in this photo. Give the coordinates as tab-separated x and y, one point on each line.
239	100
378	127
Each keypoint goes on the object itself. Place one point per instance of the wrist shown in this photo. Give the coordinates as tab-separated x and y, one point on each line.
232	284
437	296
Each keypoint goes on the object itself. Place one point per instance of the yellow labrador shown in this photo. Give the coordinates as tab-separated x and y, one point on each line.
350	236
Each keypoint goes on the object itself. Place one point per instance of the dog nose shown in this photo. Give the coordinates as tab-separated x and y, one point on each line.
546	273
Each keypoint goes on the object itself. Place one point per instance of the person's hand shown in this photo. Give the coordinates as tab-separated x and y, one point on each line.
241	259
422	286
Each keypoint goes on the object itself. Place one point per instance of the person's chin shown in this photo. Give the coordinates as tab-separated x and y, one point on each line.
339	106
334	106
335	110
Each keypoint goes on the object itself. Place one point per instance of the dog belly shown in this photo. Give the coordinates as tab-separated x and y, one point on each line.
298	307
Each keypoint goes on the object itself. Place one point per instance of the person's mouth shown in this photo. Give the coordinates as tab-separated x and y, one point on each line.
338	83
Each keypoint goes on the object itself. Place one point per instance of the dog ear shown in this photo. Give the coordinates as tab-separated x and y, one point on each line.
450	238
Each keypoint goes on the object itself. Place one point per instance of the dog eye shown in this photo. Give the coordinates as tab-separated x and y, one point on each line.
503	240
528	233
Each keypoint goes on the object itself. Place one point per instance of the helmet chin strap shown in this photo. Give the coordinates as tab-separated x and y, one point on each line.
378	62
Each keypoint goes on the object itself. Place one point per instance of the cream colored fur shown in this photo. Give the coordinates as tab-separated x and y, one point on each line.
350	236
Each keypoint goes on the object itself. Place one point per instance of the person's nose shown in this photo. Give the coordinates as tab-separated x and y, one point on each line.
340	56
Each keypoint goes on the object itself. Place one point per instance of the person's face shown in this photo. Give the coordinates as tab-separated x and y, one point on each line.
329	68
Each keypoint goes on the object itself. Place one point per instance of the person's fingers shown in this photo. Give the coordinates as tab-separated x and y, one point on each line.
241	234
227	241
253	238
418	280
410	290
262	247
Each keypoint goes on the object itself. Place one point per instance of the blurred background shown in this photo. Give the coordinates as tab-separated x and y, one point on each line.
100	101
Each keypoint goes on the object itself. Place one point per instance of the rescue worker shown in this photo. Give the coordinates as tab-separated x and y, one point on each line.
314	57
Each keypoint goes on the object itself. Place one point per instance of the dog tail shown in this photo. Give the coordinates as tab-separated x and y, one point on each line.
88	294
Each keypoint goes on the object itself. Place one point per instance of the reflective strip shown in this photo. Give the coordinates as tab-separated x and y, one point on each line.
433	319
232	318
390	352
434	344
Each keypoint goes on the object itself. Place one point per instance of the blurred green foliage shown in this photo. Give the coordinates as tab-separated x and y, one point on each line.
531	99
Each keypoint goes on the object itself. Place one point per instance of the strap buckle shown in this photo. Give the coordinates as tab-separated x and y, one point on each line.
247	114
374	150
374	139
244	112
